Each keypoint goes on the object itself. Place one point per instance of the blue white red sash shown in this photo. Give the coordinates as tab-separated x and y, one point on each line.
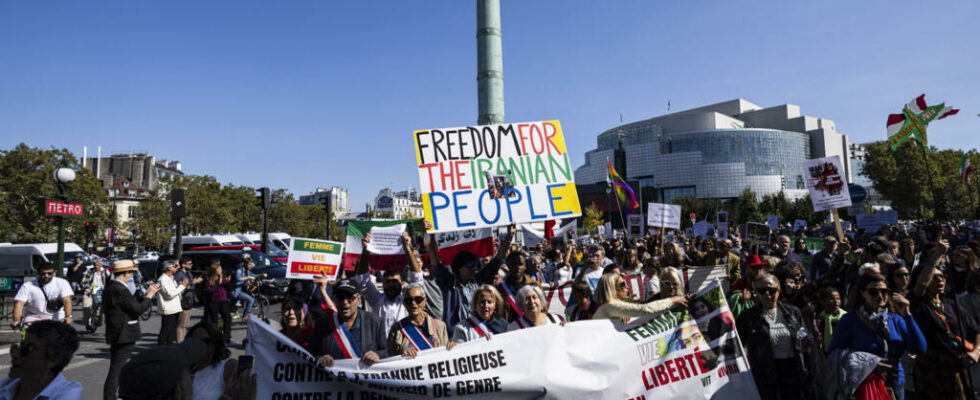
415	337
511	298
523	323
345	341
478	326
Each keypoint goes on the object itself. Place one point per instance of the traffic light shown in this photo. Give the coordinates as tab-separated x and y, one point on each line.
265	198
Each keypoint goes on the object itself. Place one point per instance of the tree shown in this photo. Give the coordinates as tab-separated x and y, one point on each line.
153	222
593	217
704	209
745	208
25	176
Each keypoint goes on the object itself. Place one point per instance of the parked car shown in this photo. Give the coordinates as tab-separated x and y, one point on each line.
274	285
148	255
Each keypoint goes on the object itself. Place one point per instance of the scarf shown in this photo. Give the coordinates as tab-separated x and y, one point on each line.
878	322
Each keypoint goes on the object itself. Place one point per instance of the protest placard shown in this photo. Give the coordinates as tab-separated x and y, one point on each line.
386	239
799	224
757	233
701	229
635	222
773	221
664	215
673	355
825	180
489	175
308	258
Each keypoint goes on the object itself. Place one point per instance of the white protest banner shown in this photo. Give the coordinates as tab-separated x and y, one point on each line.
672	355
773	221
386	239
601	230
825	179
610	233
530	237
566	230
664	215
309	257
489	175
635	223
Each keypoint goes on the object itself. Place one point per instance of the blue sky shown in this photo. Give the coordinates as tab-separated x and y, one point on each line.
300	94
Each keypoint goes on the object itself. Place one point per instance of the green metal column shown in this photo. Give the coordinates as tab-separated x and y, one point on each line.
490	64
61	246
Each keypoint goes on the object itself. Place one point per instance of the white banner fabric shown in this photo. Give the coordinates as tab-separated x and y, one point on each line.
670	356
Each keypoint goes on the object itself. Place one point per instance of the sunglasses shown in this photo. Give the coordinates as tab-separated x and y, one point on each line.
670	284
415	299
877	291
768	291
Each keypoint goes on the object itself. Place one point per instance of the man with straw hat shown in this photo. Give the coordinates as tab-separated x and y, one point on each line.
122	310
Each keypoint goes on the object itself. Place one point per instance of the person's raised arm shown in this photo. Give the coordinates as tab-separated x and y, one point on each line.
364	263
504	248
938	251
413	263
569	254
433	248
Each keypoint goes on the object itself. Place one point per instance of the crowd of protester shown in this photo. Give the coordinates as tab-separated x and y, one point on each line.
893	314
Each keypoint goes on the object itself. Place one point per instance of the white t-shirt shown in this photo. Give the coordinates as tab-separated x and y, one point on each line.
592	276
35	304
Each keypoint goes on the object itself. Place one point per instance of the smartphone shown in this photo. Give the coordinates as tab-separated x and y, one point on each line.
245	362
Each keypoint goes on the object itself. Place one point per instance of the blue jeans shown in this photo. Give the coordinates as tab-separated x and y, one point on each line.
238	294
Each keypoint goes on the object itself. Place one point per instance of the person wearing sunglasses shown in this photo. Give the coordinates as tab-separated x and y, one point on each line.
613	296
348	333
877	325
36	364
46	297
780	348
122	310
418	331
952	339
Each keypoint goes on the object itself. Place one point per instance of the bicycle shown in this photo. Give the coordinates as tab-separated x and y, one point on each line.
260	308
94	319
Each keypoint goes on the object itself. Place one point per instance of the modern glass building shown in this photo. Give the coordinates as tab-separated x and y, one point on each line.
716	151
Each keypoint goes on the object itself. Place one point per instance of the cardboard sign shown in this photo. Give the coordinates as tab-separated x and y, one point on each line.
664	215
490	175
309	257
825	180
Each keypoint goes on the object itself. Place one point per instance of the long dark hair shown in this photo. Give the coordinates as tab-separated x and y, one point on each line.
215	338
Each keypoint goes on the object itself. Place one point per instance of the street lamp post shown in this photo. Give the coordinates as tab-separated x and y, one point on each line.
64	176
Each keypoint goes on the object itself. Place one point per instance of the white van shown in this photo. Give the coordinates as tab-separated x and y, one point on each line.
280	240
188	242
23	259
250	238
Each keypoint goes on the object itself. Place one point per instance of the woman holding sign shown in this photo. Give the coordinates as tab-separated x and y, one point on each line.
418	331
613	295
484	320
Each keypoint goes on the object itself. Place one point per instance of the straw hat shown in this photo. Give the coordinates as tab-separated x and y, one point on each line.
121	266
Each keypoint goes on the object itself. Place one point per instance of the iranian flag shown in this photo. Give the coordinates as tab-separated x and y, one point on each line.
965	168
390	256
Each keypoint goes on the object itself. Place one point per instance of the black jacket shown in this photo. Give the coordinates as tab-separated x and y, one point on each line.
373	336
754	332
122	311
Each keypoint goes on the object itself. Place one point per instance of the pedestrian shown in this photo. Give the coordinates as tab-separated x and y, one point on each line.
170	308
418	331
534	310
386	305
244	275
36	364
484	320
75	273
612	295
188	297
45	297
122	309
217	287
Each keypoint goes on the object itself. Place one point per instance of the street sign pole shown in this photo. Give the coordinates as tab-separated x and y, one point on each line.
61	246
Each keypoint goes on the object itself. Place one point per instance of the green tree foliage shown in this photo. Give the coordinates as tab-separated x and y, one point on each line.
703	209
152	222
25	176
902	177
745	208
592	217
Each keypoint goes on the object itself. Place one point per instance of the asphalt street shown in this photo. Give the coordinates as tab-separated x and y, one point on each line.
91	361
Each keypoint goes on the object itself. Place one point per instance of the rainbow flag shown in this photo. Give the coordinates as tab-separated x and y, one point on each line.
622	189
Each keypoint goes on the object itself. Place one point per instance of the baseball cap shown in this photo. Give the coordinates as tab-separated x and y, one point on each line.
349	286
157	371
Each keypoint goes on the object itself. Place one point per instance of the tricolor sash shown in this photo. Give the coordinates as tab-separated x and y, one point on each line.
511	297
477	325
523	323
415	337
345	341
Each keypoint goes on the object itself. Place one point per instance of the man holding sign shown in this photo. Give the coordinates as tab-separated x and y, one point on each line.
388	307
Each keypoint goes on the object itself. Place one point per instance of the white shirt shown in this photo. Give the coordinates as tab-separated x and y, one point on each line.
592	276
559	272
387	311
35	305
169	295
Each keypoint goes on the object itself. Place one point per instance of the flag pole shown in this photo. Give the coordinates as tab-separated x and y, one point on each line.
932	188
621	220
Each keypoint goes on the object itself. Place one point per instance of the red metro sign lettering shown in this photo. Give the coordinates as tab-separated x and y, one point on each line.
58	208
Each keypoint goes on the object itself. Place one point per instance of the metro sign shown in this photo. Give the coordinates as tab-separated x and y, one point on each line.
62	209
